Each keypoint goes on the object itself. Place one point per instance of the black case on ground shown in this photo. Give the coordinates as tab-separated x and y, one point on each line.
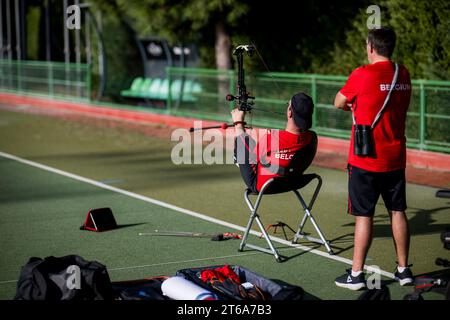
277	290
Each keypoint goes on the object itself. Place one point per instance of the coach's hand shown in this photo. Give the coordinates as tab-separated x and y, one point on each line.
348	107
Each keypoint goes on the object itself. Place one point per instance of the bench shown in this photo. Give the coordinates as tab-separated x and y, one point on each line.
158	89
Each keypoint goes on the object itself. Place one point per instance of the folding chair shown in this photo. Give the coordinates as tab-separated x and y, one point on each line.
281	185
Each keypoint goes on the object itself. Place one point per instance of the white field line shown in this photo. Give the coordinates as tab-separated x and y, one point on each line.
185	211
194	260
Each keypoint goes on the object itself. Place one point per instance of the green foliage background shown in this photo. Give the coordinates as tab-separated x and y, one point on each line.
423	39
309	36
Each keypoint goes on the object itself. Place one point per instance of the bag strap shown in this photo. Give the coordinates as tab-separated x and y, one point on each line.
388	96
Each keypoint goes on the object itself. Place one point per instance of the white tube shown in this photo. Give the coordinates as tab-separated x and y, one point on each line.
178	288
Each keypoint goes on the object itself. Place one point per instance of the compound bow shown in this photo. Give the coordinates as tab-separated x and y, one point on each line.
245	102
243	96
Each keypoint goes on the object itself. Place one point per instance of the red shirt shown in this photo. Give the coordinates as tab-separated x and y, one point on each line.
277	147
367	87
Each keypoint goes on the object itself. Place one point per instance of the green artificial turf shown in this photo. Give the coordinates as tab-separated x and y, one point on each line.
40	212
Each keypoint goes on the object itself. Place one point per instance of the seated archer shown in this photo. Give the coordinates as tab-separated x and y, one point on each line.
279	153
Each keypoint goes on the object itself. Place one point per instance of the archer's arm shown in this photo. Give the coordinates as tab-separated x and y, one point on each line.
238	115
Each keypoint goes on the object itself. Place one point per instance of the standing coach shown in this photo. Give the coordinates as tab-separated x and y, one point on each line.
378	95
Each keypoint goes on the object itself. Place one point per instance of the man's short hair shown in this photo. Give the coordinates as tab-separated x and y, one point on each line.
302	107
382	40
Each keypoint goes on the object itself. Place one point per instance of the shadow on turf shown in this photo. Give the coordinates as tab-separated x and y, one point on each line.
147	157
112	155
50	191
420	222
287	258
346	238
440	272
120	226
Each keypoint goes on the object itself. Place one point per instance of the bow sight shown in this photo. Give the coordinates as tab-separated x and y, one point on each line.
243	96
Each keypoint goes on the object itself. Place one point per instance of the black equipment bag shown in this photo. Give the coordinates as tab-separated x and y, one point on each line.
376	294
65	278
438	282
445	238
142	289
267	289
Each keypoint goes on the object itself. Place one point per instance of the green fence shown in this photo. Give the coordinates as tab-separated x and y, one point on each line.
428	125
49	79
428	121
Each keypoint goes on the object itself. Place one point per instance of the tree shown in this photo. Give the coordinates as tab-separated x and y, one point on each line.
299	36
423	29
423	39
199	21
291	37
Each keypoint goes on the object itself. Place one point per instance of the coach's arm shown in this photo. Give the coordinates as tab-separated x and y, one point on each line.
340	102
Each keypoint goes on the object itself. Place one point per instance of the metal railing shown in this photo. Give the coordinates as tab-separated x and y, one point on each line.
428	120
49	79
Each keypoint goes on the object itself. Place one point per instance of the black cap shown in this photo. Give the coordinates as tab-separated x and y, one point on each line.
302	107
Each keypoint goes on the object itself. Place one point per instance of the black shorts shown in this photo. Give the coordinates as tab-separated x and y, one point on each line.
365	188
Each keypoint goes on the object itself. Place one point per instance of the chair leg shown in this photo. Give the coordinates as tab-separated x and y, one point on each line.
302	224
307	215
269	242
310	205
249	224
254	216
250	221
